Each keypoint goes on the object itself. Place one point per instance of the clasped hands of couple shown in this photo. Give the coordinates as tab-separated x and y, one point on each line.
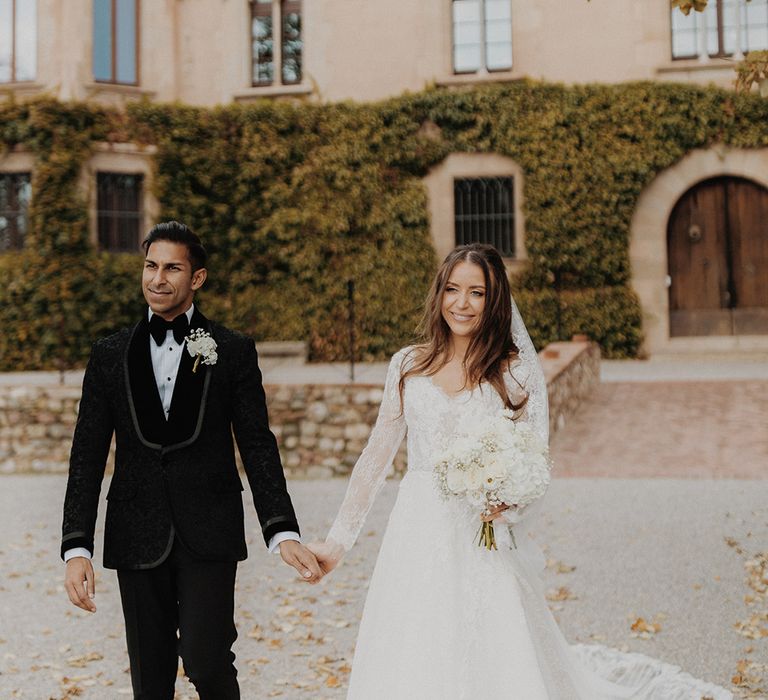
317	559
312	562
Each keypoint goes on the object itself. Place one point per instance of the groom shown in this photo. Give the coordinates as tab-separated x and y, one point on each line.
174	523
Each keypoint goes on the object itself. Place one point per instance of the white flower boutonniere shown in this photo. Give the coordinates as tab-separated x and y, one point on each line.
202	347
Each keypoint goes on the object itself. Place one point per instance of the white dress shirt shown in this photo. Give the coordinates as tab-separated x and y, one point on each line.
166	359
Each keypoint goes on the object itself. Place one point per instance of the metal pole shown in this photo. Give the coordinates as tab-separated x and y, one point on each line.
351	302
559	305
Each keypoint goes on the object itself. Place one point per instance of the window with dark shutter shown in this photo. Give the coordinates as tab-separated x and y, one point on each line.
15	193
484	212
119	211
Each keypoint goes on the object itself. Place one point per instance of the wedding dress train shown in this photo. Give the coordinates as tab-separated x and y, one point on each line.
447	620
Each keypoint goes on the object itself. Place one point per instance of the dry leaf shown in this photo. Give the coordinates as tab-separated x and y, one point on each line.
562	593
642	629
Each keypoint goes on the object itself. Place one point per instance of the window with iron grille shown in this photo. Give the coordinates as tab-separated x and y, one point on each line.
725	28
276	54
116	41
15	193
119	211
484	212
482	35
18	40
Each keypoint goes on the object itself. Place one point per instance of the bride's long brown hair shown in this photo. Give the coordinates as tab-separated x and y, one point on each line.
491	349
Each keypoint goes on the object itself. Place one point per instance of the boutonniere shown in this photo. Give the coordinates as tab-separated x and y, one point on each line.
202	347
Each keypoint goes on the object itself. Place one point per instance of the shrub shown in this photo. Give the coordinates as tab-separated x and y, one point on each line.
294	200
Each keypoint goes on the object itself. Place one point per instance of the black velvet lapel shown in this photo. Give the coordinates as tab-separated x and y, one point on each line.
145	400
188	400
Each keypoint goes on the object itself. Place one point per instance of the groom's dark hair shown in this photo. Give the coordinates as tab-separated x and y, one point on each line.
176	232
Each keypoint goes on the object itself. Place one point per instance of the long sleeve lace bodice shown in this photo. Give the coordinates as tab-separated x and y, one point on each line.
374	462
428	415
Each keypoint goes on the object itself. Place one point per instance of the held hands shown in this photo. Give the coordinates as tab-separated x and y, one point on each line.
328	555
80	583
302	559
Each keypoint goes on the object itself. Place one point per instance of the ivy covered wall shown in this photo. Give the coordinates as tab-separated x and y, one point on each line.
293	200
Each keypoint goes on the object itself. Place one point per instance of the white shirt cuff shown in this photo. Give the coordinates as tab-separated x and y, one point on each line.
79	552
281	537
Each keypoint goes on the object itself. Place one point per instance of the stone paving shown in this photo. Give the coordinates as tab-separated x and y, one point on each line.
680	429
669	550
651	549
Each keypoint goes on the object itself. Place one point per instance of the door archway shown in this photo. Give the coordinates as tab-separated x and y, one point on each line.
717	252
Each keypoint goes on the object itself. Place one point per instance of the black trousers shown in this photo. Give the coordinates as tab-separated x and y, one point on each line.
184	607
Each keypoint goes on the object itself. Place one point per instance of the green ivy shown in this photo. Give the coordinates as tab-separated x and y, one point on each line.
294	200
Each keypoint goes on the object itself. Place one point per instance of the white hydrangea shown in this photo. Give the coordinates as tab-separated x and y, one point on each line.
494	460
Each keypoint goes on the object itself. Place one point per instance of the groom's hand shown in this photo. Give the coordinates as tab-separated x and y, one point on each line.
80	583
300	558
328	555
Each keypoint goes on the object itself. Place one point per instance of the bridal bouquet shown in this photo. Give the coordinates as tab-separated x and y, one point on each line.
491	461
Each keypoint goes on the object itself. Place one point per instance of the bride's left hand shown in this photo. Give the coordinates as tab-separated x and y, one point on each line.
496	513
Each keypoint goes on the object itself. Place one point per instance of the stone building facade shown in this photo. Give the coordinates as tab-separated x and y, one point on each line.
208	52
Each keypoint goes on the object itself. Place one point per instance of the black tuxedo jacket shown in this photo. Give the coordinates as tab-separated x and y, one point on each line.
174	478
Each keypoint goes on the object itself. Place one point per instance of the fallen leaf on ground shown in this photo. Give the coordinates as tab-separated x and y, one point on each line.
643	629
562	593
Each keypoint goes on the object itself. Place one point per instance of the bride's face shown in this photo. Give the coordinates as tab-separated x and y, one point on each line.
464	298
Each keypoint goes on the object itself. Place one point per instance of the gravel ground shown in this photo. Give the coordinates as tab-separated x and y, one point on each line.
650	548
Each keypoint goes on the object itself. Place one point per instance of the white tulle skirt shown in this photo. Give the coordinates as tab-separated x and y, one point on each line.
446	620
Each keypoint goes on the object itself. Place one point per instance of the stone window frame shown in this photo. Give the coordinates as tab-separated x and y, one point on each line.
14	162
129	159
439	185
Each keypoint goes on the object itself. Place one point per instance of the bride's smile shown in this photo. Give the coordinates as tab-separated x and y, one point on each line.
464	298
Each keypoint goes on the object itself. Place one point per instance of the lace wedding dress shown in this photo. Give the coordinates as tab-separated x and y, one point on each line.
447	620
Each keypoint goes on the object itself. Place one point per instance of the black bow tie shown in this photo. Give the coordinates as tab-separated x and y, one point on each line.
158	327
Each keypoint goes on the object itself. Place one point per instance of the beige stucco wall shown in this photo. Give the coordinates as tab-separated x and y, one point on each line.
198	51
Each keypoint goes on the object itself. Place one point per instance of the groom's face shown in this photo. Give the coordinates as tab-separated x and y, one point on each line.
168	282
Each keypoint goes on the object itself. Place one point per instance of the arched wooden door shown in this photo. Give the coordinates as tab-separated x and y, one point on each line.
717	245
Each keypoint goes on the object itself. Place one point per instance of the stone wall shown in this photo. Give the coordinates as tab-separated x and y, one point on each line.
36	426
321	428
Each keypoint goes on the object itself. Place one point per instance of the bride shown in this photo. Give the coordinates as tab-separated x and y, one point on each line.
445	619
